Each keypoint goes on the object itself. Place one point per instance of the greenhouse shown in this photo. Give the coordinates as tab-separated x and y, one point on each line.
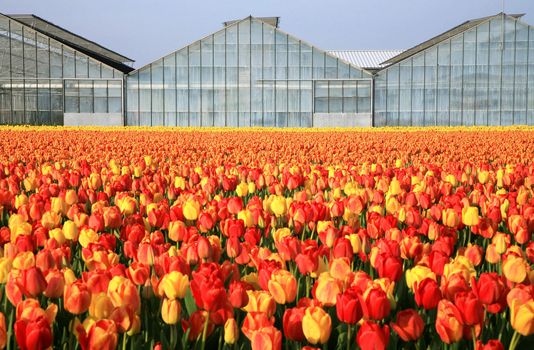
251	73
479	73
49	76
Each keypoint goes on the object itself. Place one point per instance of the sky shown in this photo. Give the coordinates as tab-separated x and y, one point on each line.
146	30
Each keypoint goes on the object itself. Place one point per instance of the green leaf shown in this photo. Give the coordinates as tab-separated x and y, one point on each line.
190	304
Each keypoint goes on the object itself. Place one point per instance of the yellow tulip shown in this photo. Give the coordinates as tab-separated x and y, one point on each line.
316	325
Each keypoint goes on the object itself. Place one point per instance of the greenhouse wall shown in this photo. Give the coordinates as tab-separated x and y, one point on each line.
483	76
41	79
248	74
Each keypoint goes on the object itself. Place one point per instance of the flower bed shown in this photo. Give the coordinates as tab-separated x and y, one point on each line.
270	239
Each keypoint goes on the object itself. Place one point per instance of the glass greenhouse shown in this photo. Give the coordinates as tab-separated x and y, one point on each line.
480	73
45	81
251	73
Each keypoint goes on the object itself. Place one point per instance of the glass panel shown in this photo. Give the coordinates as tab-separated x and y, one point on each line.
82	66
331	67
68	63
72	100
157	92
318	64
335	91
43	58
281	55
17	62
5	67
349	96
169	86
86	96
145	97
30	53
56	60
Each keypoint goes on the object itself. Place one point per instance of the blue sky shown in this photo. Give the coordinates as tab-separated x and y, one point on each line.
148	29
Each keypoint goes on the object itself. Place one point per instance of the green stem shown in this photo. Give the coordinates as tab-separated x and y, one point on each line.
124	341
205	331
514	341
10	329
221	336
308	286
349	335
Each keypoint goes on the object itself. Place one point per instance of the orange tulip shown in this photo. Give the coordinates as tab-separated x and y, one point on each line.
101	335
77	298
283	286
448	322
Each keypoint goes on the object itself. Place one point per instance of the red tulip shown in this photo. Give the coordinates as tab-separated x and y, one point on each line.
470	308
375	304
372	336
491	290
292	323
33	334
427	293
409	325
348	306
492	344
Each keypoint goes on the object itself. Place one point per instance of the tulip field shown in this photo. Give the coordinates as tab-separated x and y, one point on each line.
139	238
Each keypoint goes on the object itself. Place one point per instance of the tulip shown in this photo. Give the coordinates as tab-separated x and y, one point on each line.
470	216
267	338
316	325
260	301
170	311
254	321
231	331
191	210
450	218
348	308
292	323
237	294
283	286
279	206
389	266
375	304
101	306
174	285
427	293
372	336
33	334
409	325
77	298
470	308
491	291
55	284
514	269
327	289
492	344
123	292
418	274
522	317
449	322
34	282
100	335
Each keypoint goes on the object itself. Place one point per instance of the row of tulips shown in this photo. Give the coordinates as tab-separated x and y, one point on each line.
147	248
